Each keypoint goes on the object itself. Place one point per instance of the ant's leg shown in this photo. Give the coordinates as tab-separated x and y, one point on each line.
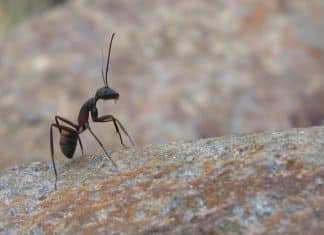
52	152
124	130
66	121
57	118
110	118
81	146
107	118
88	127
59	127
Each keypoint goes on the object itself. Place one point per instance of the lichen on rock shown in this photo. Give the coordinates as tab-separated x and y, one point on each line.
262	183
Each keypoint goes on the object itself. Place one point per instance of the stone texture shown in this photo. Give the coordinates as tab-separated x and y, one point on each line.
185	70
263	183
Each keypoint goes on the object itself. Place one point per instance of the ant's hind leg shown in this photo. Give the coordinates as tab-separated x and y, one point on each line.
52	152
66	121
59	127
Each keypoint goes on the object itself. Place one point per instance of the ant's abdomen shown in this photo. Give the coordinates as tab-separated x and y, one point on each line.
68	142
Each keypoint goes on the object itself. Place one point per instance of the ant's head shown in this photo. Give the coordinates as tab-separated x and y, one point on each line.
106	93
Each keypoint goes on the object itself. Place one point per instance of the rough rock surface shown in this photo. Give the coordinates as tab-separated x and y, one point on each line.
190	69
265	183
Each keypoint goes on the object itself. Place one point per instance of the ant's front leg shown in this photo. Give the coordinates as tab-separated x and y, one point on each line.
111	118
124	130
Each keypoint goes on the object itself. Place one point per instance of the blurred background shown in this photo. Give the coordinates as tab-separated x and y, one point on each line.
184	69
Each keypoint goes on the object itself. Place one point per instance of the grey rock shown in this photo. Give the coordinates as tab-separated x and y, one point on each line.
163	193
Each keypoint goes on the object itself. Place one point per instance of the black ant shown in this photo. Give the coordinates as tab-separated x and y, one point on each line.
70	135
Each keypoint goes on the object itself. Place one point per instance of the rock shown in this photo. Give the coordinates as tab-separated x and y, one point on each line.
247	184
310	112
187	70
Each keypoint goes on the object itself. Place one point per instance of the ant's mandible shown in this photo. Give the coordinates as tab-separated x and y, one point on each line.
70	132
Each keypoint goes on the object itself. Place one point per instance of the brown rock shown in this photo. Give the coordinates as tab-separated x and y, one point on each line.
266	183
310	112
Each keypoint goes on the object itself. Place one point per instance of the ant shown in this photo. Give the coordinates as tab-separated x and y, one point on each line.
70	132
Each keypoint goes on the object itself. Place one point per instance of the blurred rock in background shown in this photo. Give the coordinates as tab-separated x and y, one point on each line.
184	70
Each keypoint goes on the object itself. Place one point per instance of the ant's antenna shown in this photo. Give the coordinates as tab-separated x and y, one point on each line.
107	66
102	69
